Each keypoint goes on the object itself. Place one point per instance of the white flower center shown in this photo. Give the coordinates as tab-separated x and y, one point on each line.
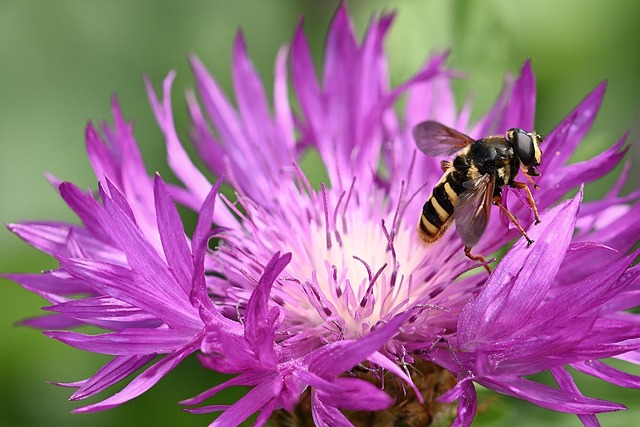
356	276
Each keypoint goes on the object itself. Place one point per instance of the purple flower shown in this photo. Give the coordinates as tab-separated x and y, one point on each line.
325	301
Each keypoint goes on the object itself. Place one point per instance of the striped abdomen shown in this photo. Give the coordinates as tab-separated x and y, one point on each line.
437	212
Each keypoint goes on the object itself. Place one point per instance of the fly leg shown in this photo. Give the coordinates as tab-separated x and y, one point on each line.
497	200
467	252
532	203
445	165
535	186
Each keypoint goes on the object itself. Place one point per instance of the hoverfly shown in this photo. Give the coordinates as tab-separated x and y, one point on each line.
473	180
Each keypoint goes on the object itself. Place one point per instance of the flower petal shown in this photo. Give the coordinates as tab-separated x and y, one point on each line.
130	287
520	282
106	312
87	208
548	397
340	356
348	393
608	373
560	180
566	383
465	392
174	244
326	415
177	157
560	144
129	342
116	370
143	382
259	319
252	101
250	403
144	259
521	106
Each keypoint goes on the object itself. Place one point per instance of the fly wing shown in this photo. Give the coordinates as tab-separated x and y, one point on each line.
435	139
472	209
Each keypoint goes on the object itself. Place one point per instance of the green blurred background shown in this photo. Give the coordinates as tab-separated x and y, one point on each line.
62	61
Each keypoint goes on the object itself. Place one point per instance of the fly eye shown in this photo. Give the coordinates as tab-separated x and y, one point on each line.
523	146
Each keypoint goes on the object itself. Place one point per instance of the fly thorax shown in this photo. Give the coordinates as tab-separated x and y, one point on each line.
484	156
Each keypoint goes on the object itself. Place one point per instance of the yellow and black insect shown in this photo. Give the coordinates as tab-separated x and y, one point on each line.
473	180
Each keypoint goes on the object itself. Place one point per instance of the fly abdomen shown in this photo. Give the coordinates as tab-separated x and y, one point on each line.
438	210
